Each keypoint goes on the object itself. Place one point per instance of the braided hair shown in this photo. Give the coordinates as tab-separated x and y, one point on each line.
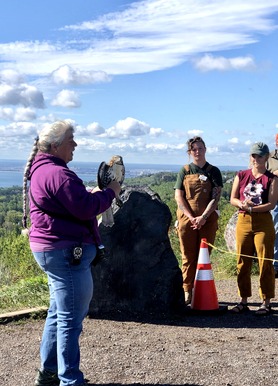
25	184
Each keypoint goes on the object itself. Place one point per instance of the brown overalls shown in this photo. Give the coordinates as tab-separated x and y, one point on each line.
198	193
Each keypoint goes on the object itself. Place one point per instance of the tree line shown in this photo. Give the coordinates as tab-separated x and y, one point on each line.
162	183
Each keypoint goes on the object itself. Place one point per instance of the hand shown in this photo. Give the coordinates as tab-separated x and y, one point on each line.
96	189
198	222
245	205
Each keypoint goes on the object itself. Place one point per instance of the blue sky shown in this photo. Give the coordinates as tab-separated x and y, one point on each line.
139	78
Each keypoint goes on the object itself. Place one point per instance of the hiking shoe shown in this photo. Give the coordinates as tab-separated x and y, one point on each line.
47	378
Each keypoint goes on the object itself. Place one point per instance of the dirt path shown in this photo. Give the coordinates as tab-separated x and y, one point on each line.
228	350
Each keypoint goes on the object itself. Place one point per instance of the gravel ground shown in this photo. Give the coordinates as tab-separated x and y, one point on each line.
221	349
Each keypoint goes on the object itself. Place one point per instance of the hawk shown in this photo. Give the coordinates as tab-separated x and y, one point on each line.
113	171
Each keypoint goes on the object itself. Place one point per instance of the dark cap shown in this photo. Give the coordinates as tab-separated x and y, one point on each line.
259	148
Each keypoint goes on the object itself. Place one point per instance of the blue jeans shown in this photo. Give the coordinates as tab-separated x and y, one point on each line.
71	291
274	213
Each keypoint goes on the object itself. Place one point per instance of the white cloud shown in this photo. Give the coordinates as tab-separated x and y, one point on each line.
95	129
124	148
18	115
127	128
156	131
67	75
194	133
24	114
66	98
10	76
212	150
248	142
210	63
157	146
146	36
119	147
7	113
92	129
165	148
88	144
18	129
21	94
47	118
233	140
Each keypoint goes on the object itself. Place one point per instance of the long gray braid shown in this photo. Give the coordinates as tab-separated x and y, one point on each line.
25	185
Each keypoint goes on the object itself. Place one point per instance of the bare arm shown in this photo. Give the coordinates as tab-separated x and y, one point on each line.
212	205
234	200
182	203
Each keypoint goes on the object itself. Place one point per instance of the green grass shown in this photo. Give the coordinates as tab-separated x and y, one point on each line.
23	284
26	293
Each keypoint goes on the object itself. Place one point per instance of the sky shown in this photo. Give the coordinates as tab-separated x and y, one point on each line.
140	78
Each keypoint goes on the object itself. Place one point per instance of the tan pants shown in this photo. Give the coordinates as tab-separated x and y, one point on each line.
190	241
255	233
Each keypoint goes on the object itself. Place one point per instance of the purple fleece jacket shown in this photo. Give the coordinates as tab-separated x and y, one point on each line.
57	189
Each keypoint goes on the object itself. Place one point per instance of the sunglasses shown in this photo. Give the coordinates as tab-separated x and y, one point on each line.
195	139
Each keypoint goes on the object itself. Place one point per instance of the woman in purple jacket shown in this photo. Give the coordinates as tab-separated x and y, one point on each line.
63	238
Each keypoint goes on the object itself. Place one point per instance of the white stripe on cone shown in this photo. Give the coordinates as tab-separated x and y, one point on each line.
204	275
203	257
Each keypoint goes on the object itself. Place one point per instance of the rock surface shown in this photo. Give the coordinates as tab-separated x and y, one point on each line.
141	273
230	233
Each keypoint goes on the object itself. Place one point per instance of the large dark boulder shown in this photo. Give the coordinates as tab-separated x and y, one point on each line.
141	274
230	232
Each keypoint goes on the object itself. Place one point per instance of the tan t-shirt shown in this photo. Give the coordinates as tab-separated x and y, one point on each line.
272	162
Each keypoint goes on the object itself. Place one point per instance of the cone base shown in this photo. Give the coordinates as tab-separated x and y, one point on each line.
204	296
219	311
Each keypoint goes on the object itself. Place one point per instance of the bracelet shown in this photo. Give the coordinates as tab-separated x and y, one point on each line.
205	217
250	209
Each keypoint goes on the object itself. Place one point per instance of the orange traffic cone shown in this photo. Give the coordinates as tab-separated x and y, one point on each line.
204	293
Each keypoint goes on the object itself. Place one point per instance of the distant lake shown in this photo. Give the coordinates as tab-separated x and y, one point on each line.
11	171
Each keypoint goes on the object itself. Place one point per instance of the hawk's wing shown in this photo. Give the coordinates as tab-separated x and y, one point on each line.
113	171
